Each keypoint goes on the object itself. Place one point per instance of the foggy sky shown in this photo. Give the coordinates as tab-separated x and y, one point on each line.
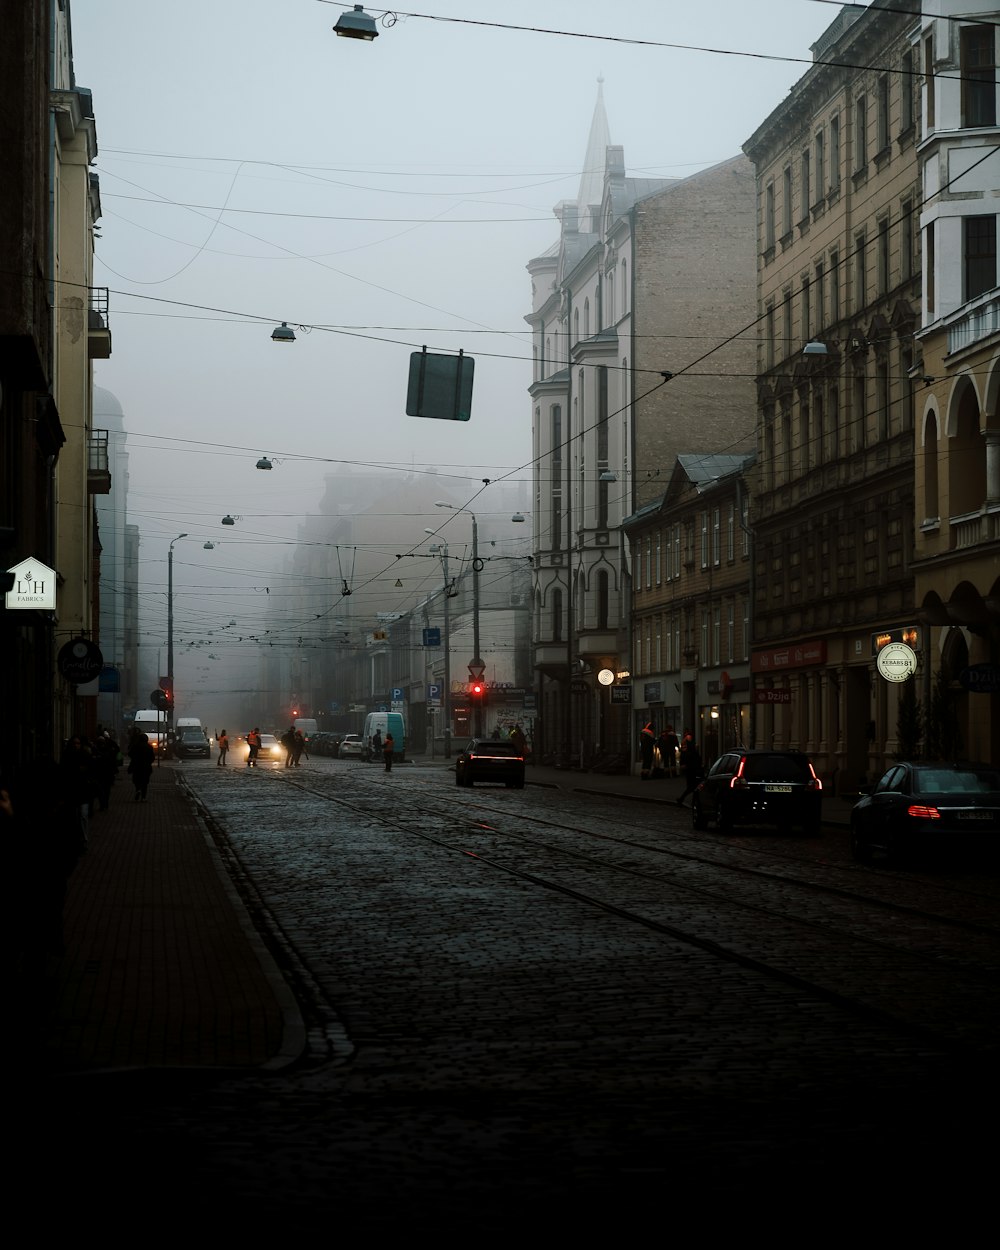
390	195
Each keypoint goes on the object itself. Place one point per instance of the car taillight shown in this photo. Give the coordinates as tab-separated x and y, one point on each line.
739	782
919	812
815	783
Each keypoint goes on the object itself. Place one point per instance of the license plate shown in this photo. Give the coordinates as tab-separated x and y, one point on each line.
777	789
975	816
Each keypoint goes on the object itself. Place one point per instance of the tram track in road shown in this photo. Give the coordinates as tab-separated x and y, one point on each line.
918	987
728	863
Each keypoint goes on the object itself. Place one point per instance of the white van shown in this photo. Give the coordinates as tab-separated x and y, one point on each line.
153	724
384	722
308	726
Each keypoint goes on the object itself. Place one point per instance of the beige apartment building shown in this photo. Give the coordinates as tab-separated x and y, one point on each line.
957	563
81	336
647	277
691	628
838	285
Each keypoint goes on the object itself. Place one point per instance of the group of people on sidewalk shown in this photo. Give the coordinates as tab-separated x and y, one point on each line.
662	755
46	811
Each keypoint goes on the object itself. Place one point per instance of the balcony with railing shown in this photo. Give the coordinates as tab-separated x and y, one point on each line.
98	467
975	322
975	528
98	326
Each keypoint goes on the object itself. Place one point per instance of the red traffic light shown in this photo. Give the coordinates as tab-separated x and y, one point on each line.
476	689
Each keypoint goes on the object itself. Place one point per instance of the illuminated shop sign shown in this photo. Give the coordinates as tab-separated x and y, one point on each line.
909	634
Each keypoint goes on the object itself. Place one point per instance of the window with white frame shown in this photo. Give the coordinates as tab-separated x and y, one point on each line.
730	632
716	537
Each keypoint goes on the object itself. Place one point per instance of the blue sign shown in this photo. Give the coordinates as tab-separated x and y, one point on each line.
432	638
397	694
434	693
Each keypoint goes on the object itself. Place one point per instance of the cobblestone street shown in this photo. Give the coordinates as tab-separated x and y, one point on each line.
545	1004
521	1003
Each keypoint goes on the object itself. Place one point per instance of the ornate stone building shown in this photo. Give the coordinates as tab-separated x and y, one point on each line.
838	288
957	563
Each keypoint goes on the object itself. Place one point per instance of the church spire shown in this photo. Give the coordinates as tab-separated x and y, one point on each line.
592	177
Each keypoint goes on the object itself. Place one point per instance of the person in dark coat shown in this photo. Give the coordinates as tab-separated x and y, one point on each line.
105	768
691	767
668	744
140	764
40	815
298	747
647	741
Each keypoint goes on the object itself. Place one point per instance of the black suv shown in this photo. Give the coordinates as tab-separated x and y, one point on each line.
759	788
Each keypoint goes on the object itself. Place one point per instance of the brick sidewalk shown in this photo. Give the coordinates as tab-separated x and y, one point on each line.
162	967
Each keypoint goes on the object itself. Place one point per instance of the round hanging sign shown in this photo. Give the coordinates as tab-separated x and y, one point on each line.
896	661
80	661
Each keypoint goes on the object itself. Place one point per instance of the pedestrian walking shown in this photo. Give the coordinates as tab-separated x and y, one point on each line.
387	747
79	774
288	742
106	758
519	741
376	747
691	766
223	740
253	747
668	744
140	764
298	748
647	741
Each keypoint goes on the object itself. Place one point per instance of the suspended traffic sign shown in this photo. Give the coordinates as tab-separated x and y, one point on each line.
440	386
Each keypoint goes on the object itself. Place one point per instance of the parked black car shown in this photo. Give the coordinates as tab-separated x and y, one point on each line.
915	807
488	760
759	787
191	744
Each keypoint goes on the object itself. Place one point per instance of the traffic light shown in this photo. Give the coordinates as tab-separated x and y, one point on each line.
476	691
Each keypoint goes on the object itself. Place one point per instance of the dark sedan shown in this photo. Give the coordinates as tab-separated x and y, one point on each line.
916	806
762	787
191	744
484	760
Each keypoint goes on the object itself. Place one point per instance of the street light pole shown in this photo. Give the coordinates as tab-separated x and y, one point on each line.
170	625
477	564
443	549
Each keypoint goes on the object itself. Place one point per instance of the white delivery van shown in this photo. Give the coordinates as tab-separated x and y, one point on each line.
385	722
153	724
308	727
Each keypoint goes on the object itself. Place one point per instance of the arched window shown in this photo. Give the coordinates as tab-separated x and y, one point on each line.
586	318
931	506
603	599
557	616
